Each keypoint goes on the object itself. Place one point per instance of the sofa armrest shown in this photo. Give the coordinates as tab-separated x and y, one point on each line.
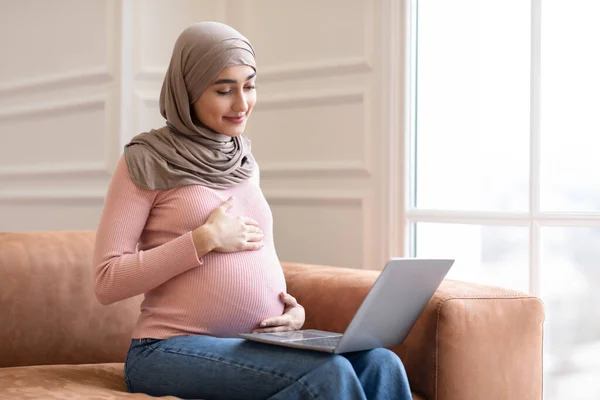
471	341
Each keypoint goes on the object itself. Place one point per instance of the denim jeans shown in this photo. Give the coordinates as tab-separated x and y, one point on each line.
205	367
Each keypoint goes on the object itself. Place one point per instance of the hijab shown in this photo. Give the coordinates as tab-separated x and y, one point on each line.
185	151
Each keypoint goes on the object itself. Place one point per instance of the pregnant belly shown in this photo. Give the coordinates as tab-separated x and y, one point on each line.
236	291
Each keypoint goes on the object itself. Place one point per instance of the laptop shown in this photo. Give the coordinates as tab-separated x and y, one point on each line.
386	315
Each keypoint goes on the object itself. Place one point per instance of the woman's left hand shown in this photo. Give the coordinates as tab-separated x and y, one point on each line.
292	318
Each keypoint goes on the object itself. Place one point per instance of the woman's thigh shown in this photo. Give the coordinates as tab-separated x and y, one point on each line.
208	367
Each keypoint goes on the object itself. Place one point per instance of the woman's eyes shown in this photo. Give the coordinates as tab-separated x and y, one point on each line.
223	93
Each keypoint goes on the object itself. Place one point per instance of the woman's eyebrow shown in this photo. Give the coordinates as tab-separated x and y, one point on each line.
232	81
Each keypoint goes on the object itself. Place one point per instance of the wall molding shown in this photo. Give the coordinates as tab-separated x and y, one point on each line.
142	99
147	97
54	197
65	80
94	102
395	35
309	169
113	33
151	73
48	171
283	72
66	181
298	99
312	197
317	69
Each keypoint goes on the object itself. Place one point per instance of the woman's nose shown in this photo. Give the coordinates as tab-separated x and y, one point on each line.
240	104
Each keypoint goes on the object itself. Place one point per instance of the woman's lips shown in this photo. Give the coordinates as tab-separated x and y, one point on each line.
235	120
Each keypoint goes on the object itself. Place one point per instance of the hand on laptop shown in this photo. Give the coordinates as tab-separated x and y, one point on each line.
291	320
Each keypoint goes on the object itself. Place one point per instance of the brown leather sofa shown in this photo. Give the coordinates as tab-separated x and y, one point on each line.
58	342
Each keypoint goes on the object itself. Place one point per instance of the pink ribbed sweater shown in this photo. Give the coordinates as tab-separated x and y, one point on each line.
221	294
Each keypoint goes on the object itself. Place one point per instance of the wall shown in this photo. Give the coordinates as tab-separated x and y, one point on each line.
79	79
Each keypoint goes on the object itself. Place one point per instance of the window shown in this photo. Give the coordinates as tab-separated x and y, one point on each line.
505	158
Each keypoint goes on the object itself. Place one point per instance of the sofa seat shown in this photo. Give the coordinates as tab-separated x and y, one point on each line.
70	382
84	381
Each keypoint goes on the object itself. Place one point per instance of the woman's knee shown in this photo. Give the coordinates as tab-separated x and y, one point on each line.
383	358
340	363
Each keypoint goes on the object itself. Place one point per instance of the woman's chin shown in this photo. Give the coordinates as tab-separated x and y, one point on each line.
233	132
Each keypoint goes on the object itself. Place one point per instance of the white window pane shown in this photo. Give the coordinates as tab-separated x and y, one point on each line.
569	288
472	104
570	105
492	255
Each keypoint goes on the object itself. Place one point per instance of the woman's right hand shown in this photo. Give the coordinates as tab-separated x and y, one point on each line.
228	233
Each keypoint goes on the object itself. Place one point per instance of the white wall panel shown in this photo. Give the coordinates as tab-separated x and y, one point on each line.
318	228
78	79
316	130
313	127
46	38
305	31
158	23
50	134
57	111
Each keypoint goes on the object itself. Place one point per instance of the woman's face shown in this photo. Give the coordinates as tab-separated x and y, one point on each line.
228	101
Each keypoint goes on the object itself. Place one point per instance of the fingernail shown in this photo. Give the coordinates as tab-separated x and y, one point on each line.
263	325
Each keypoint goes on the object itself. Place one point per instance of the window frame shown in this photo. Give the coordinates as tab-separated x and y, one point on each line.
534	219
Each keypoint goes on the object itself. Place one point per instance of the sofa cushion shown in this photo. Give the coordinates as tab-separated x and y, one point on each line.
49	313
85	381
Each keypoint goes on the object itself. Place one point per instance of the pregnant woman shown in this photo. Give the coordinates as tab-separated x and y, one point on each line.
186	224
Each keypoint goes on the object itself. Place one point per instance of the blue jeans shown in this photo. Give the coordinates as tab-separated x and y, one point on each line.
205	367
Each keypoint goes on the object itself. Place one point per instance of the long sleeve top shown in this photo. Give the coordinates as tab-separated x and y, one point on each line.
144	246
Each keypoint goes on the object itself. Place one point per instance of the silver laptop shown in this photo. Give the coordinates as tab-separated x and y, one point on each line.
384	318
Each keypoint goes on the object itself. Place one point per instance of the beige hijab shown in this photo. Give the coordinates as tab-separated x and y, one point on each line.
186	152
